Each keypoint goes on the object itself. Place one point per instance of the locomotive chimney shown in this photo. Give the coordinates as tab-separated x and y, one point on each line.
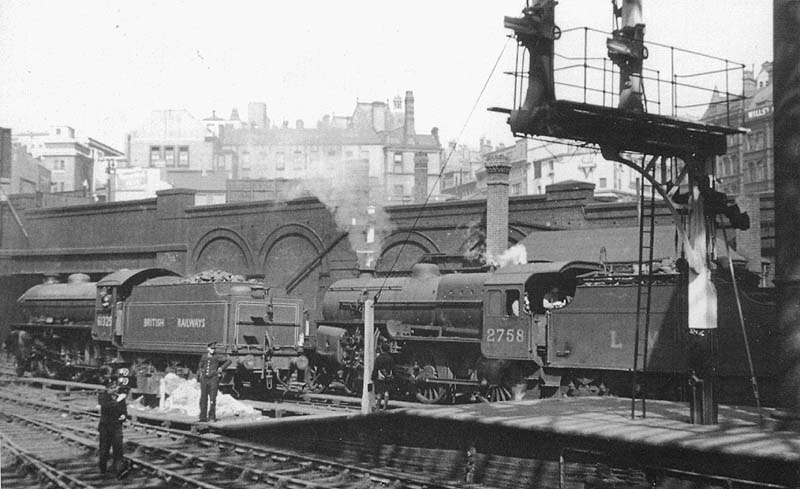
420	177
497	170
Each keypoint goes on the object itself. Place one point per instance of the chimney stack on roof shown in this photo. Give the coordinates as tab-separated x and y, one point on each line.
408	123
420	177
497	169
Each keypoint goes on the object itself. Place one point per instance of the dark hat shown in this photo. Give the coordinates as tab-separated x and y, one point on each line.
213	344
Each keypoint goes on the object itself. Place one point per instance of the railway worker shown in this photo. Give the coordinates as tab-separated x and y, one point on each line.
113	411
555	299
383	376
211	367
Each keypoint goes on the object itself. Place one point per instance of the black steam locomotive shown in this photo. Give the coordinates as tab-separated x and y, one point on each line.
538	328
155	322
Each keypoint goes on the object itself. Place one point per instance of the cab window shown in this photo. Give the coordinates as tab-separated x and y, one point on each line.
512	303
495	303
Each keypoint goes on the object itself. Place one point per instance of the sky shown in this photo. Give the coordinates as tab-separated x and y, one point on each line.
103	66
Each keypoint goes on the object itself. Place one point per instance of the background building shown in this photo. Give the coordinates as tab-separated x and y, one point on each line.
71	160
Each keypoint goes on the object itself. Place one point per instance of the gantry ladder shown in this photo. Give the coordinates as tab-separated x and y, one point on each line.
647	212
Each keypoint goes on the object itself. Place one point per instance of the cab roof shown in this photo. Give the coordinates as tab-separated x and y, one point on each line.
123	276
519	274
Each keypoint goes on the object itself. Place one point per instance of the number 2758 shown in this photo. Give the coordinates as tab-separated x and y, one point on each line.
505	335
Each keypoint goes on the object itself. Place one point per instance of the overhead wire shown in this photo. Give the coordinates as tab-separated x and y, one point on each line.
443	167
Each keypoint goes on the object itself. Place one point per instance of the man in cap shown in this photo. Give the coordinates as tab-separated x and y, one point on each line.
113	411
211	367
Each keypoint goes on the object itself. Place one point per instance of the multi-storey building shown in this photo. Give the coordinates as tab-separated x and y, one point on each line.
535	165
70	159
747	167
28	175
746	171
377	142
183	148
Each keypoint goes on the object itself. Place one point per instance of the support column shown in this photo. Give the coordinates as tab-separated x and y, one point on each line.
368	391
786	31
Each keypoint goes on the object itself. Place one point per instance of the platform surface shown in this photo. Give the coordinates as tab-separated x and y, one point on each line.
605	418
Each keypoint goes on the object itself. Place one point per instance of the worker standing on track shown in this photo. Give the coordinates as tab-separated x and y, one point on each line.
113	411
211	367
383	376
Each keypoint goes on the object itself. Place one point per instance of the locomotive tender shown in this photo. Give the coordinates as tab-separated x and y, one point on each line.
155	322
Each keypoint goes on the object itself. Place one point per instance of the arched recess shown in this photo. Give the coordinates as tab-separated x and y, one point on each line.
403	249
222	249
287	254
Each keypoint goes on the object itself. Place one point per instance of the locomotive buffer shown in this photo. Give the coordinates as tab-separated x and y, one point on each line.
666	146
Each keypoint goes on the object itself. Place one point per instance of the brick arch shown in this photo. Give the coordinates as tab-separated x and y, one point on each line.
413	244
286	251
222	248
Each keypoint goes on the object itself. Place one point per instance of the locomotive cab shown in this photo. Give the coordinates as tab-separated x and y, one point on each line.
518	300
111	293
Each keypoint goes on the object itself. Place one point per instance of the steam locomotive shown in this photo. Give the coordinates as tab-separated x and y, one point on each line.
522	330
499	335
155	322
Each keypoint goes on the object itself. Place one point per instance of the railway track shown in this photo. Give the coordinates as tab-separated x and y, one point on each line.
49	444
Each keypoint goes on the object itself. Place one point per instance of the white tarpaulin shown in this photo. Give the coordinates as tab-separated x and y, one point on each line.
183	397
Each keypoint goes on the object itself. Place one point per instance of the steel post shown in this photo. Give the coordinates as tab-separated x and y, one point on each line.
368	392
786	93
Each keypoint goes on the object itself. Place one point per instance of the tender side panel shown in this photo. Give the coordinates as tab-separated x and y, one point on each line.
597	329
181	327
253	323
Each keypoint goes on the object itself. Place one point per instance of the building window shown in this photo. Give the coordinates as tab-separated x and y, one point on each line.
280	161
516	189
221	162
155	155
60	186
298	162
332	152
183	156
169	156
363	154
245	161
349	154
398	166
537	169
603	183
398	189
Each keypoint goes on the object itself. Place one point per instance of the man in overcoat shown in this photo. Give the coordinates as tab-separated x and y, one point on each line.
208	373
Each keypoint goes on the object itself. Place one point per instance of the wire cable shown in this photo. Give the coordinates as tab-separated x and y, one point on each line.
443	168
753	380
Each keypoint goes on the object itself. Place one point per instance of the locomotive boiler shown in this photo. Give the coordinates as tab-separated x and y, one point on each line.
155	322
535	328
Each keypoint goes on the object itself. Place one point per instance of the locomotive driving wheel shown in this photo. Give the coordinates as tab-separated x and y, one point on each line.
428	392
317	379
